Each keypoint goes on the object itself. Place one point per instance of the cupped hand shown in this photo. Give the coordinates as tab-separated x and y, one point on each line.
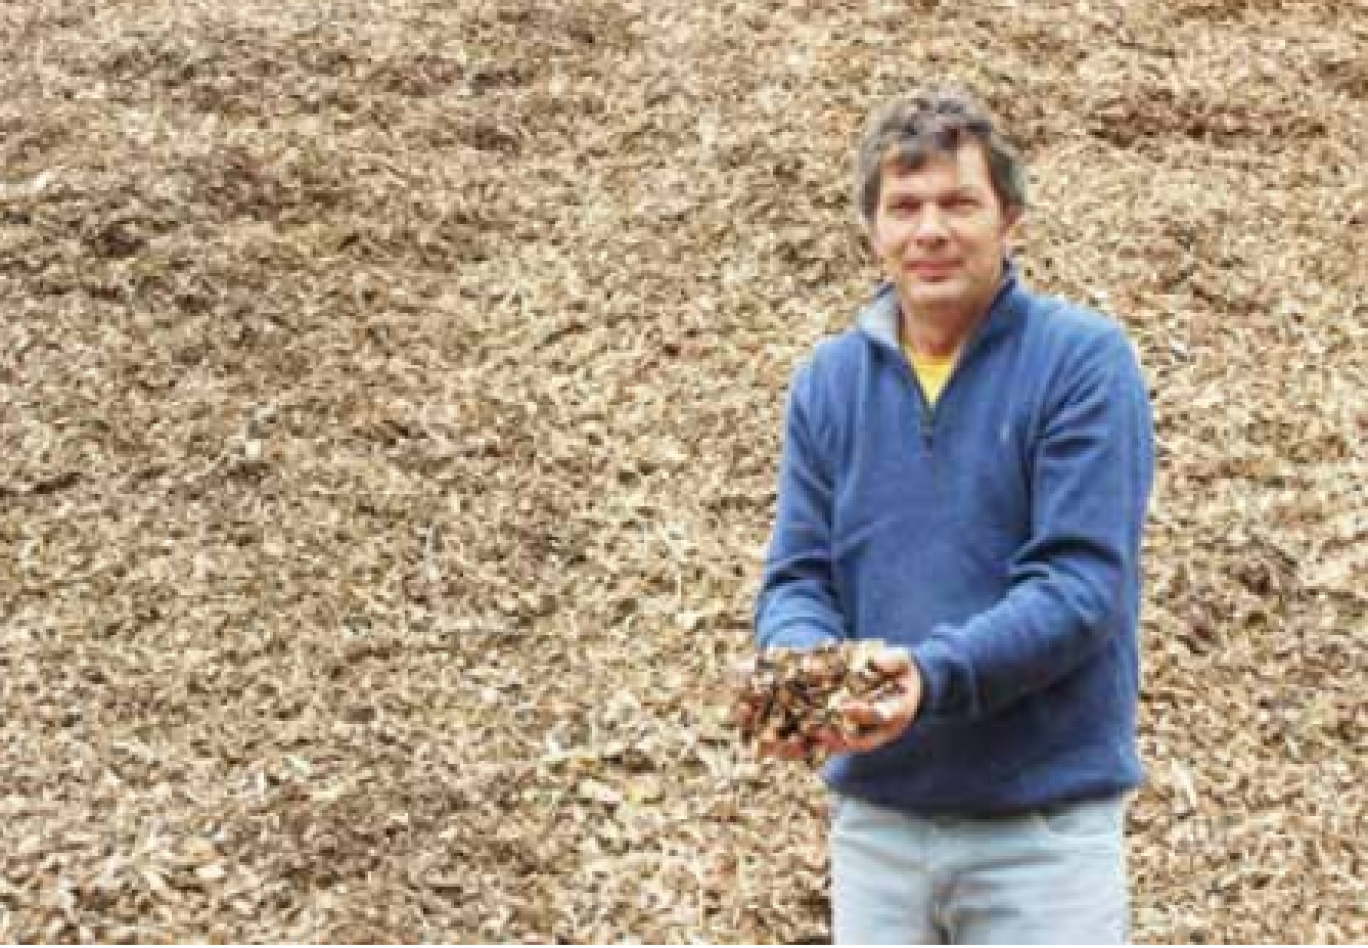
880	722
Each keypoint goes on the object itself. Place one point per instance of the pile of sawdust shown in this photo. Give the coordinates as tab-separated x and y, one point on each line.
389	404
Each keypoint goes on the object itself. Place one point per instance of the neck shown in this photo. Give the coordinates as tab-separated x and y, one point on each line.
938	335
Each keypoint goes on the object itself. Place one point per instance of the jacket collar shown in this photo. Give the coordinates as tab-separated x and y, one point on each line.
879	319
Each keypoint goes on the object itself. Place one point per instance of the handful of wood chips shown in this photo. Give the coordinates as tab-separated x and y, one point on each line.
790	693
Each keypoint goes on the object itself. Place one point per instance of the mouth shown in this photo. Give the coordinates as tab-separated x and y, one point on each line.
931	270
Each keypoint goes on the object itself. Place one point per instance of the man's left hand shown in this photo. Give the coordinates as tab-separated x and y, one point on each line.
881	722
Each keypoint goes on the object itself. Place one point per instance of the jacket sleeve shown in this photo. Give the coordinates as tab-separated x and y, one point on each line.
1074	584
797	604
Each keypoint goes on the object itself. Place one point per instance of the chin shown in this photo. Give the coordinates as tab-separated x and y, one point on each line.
943	295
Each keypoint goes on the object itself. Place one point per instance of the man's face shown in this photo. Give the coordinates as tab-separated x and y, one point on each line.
941	233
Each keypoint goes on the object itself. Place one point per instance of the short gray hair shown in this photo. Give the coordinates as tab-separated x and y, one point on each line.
911	128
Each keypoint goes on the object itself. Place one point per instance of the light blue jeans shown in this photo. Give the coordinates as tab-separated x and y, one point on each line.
1053	876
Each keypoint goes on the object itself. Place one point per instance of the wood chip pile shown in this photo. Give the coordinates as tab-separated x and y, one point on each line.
389	403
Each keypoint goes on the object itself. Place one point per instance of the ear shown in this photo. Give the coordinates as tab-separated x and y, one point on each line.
870	232
1013	228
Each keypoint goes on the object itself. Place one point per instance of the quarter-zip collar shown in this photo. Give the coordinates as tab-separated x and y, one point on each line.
879	320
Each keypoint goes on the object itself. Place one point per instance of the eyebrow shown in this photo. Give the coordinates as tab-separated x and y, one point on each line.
961	191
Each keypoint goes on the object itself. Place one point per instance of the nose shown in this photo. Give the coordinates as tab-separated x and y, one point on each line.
930	227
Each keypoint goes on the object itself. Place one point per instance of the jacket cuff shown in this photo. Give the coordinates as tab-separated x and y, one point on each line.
799	635
934	661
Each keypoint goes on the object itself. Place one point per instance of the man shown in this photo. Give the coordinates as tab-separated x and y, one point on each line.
965	476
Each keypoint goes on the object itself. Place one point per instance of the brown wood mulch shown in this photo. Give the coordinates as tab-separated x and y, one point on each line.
389	400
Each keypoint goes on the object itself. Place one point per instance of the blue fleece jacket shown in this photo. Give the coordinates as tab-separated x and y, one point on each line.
996	535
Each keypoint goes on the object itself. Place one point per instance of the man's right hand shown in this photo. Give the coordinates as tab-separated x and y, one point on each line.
794	748
878	712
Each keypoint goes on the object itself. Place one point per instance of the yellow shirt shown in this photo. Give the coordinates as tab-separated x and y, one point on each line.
931	372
